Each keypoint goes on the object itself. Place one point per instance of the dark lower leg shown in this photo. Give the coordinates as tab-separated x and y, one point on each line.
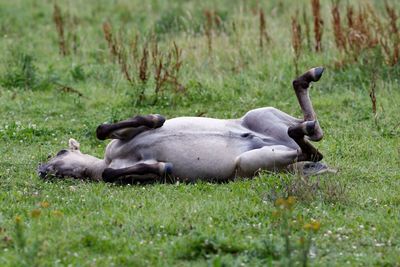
301	87
105	131
155	169
297	133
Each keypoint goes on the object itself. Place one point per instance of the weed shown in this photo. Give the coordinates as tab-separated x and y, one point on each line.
318	24
68	89
59	22
337	27
293	226
307	29
166	65
308	189
143	73
78	73
263	30
201	246
107	30
372	96
392	19
208	29
296	42
22	73
20	240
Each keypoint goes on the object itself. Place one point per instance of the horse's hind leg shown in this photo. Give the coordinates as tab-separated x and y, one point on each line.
129	128
150	170
301	86
265	158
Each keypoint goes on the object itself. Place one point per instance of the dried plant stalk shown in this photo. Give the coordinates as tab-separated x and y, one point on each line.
337	28
134	50
59	22
177	54
318	24
263	29
307	29
208	29
296	41
150	63
160	77
75	43
349	15
122	60
372	96
393	19
107	30
143	75
154	51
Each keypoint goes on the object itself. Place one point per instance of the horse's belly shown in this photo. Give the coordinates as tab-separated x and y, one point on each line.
205	158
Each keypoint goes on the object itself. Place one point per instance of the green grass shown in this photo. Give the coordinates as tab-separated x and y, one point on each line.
95	224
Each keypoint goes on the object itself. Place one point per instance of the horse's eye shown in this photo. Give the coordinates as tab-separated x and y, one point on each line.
61	152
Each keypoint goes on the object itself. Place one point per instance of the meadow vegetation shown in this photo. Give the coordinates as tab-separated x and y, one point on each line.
67	66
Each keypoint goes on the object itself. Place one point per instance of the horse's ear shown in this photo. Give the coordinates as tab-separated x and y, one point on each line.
73	144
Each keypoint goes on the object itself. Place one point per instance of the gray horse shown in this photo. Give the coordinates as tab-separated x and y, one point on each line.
189	148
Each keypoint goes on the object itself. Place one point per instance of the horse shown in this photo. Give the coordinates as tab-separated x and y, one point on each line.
150	147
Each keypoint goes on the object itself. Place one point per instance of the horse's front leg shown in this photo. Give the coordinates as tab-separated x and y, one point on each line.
155	170
129	128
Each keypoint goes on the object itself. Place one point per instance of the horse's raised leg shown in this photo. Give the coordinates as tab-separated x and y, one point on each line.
152	170
301	87
129	128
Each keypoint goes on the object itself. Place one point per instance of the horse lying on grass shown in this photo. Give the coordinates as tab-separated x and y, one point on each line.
188	148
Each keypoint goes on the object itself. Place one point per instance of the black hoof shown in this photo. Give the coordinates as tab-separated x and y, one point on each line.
158	120
109	175
101	132
168	168
316	73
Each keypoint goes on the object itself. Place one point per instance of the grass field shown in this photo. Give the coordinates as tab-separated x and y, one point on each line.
219	69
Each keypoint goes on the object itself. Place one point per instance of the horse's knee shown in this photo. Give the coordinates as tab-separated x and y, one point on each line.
317	133
307	128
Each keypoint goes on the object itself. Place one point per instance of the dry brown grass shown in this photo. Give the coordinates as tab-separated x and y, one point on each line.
318	24
139	67
208	29
59	22
296	42
337	27
263	30
108	35
366	32
307	29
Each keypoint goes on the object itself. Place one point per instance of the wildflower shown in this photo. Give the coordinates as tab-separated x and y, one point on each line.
44	204
290	202
18	219
315	226
312	226
35	213
57	213
307	226
285	203
280	202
